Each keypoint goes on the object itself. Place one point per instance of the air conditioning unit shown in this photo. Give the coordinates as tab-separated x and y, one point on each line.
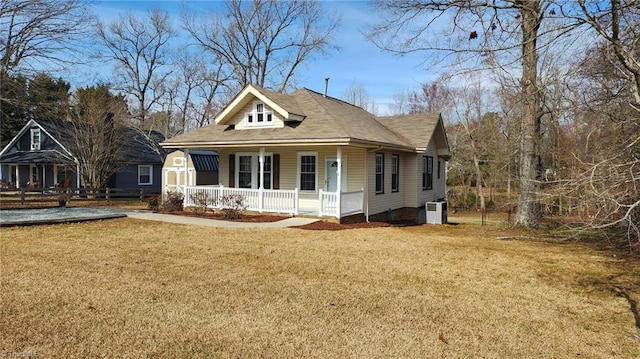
436	212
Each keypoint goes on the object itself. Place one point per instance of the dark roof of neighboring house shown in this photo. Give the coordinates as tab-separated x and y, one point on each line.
39	157
139	147
204	160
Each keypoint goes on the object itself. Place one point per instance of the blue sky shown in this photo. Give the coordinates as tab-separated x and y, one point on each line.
382	74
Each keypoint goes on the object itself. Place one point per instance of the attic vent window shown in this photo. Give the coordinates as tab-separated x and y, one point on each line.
35	139
259	116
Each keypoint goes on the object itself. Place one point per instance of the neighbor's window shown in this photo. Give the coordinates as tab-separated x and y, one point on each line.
438	168
61	174
427	172
35	139
395	173
379	173
145	174
307	165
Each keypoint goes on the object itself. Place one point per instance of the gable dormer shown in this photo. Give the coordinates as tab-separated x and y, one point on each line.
255	108
257	114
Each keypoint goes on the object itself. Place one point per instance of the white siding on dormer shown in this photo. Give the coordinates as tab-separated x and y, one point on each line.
241	117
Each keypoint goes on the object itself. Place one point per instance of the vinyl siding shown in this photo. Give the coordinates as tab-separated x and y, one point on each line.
379	202
439	185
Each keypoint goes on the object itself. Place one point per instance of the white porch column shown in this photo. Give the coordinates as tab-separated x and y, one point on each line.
261	180
17	167
186	170
166	179
339	180
77	176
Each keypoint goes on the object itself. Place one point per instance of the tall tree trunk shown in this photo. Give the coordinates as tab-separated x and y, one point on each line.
528	214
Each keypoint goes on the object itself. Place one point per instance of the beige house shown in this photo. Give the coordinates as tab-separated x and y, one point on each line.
306	153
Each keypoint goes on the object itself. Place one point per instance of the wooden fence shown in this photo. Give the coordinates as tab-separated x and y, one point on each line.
45	194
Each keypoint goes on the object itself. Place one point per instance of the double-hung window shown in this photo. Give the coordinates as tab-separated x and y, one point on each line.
266	172
308	164
395	173
379	173
427	172
244	171
145	174
35	139
248	170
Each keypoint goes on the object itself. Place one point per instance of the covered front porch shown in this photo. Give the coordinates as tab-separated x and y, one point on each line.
288	180
333	204
37	171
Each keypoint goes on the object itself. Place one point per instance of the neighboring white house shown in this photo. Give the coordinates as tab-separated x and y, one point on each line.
306	153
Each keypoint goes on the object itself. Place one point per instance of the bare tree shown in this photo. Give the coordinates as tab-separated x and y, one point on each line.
357	95
480	28
140	48
94	128
264	42
399	105
41	31
201	87
432	97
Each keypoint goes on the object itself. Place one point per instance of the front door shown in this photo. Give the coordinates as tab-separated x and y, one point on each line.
331	174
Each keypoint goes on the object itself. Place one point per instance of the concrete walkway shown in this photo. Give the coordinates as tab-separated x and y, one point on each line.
196	221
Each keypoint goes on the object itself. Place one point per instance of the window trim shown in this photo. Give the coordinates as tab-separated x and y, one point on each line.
35	146
299	174
381	173
140	183
395	171
427	173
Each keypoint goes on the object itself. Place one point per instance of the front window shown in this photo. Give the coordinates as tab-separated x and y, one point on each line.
248	171
427	172
395	173
35	139
379	173
266	175
307	166
145	174
244	172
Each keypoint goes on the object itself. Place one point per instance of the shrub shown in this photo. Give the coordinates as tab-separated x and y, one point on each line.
173	201
232	206
153	202
201	199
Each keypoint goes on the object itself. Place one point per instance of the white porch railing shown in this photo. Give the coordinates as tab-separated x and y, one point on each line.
350	203
277	201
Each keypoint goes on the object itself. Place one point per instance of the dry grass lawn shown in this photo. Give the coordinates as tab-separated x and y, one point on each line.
135	289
